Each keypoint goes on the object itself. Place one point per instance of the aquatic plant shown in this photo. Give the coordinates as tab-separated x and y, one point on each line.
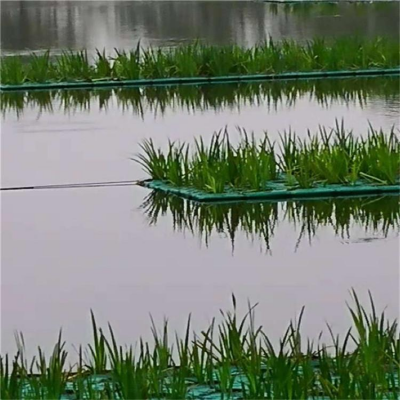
199	59
334	156
233	359
258	220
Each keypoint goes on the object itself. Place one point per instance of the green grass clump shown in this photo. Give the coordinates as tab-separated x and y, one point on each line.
258	220
333	156
204	60
234	359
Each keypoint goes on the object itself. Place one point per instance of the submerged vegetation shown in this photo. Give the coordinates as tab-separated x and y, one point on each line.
198	59
192	98
375	215
232	359
334	156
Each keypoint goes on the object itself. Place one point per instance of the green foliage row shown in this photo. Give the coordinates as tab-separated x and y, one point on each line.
234	359
334	156
193	60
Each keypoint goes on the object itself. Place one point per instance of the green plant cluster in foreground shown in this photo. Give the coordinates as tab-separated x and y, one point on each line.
234	359
204	60
194	98
375	215
333	156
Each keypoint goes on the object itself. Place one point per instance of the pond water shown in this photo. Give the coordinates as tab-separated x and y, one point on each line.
83	138
57	25
71	250
66	251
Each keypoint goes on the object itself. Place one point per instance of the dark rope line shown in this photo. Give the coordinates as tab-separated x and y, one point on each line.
72	185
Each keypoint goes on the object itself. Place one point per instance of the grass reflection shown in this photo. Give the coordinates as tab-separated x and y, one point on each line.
375	215
191	98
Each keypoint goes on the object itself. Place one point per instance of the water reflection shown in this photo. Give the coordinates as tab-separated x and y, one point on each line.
375	215
191	98
37	25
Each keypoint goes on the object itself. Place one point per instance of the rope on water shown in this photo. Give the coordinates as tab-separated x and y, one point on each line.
72	185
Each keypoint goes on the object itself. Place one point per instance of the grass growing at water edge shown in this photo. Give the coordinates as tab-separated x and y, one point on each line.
233	359
204	60
333	156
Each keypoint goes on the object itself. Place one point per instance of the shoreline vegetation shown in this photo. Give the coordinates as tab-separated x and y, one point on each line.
331	157
191	98
231	359
201	60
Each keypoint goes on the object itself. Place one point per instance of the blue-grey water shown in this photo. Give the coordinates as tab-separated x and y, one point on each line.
57	25
67	251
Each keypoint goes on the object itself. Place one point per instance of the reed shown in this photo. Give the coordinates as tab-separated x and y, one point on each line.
375	215
233	359
334	156
197	59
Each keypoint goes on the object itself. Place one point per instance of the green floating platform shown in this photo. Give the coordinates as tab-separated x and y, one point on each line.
195	391
276	191
199	80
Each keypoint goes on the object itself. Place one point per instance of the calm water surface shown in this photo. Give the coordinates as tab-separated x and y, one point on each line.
67	251
94	140
70	250
56	25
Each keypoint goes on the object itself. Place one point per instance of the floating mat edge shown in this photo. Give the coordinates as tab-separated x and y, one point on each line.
200	79
273	195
